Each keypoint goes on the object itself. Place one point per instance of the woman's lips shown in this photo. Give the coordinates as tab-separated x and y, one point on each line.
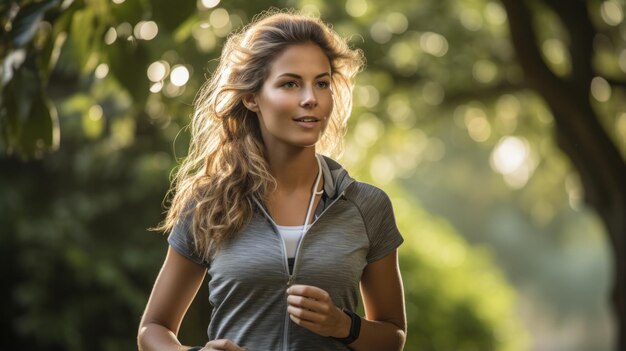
307	124
307	121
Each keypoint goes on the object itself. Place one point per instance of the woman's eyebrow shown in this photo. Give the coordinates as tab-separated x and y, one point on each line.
300	77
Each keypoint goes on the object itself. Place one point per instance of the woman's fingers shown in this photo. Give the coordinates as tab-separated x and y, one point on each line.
312	308
309	291
222	345
307	303
306	315
308	308
312	326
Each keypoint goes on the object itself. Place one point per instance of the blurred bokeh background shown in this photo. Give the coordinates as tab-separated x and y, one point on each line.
474	115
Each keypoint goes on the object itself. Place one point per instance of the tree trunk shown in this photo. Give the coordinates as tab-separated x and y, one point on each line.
578	130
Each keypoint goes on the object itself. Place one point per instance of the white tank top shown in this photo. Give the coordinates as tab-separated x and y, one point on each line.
291	237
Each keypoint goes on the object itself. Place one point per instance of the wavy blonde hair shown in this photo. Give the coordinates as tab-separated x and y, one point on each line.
226	167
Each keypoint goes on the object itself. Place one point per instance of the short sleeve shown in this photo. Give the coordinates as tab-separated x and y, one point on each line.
181	239
380	222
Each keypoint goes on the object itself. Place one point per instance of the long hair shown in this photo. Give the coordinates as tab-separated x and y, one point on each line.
226	167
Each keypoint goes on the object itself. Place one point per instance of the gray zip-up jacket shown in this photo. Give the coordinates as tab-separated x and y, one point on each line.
248	278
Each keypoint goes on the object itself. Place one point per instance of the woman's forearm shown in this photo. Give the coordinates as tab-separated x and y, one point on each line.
155	337
375	336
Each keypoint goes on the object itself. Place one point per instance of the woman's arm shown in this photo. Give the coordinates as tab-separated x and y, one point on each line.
174	290
384	327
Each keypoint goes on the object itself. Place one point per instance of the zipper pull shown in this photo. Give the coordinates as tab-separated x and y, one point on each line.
290	281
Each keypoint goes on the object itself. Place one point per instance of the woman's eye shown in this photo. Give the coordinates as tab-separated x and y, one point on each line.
323	84
289	85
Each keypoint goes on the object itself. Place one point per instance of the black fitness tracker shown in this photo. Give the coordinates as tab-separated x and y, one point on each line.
355	328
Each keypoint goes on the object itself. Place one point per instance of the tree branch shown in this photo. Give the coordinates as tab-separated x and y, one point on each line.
579	132
581	32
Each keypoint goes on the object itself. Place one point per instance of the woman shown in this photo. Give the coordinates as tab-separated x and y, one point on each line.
285	234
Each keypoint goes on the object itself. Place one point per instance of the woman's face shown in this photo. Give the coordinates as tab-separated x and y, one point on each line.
295	101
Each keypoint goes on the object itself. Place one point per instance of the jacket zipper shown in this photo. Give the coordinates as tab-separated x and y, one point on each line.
291	277
295	263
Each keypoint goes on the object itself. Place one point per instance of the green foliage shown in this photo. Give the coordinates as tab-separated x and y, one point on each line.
74	244
456	298
28	121
440	92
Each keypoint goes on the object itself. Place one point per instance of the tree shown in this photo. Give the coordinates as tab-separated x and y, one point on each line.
579	130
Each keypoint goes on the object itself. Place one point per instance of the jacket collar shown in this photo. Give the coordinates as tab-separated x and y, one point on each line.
336	178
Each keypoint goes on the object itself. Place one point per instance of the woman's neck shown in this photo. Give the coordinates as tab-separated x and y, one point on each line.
294	170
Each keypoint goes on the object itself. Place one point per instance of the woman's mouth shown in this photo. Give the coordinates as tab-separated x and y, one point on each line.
307	121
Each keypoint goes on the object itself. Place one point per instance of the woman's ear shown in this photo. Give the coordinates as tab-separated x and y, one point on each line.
249	101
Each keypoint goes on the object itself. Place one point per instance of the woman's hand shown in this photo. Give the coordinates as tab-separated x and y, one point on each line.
222	345
312	308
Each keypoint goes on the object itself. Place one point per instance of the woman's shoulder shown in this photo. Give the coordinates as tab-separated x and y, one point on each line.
366	194
351	187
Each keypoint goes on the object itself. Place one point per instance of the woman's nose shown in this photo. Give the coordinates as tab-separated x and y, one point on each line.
308	98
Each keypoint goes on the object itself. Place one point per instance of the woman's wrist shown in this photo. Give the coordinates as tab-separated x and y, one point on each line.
351	333
344	326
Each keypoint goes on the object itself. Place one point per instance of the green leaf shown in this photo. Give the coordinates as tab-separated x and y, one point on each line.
28	120
24	86
50	53
41	129
25	24
82	36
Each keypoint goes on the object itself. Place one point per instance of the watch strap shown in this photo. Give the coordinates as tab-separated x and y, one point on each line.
355	328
